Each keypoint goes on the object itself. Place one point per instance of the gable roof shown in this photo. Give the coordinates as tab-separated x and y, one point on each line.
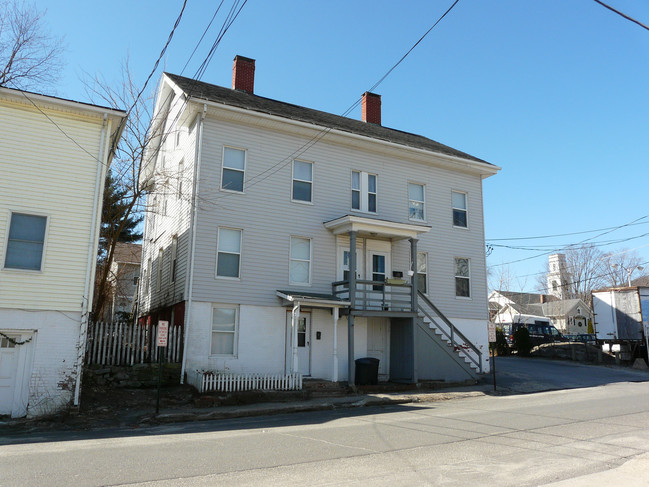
218	94
127	253
524	299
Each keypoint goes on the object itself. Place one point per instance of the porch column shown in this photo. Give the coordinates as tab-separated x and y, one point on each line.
351	369
295	318
413	258
334	375
415	306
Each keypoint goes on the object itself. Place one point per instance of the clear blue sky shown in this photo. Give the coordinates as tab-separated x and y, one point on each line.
556	92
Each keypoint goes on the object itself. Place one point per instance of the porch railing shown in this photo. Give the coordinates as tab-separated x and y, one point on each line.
456	338
376	295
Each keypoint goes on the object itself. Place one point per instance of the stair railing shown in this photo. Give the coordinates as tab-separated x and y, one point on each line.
473	353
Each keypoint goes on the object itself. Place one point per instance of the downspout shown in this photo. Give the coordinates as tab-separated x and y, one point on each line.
92	253
197	173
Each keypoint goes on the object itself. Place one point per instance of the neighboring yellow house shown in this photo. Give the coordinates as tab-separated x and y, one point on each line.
53	161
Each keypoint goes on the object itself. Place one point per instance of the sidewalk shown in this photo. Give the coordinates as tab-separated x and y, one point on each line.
140	411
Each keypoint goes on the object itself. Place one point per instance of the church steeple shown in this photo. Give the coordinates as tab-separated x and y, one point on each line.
558	276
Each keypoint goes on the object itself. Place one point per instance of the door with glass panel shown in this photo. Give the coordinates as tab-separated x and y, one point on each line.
343	267
303	337
378	270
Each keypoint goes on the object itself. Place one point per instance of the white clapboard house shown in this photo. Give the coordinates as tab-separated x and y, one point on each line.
53	159
264	215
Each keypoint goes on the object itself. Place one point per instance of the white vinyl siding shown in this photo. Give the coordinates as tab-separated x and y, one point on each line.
269	218
225	320
26	242
416	202
234	169
37	162
302	187
228	261
300	261
458	201
462	277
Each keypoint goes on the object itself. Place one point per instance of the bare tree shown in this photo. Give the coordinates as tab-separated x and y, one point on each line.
125	174
619	266
29	55
501	279
587	271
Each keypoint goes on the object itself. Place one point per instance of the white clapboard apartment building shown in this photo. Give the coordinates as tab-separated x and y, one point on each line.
264	215
53	159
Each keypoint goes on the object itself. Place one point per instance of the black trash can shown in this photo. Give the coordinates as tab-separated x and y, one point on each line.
367	371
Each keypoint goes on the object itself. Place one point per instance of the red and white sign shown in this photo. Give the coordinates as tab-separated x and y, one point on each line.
491	328
163	333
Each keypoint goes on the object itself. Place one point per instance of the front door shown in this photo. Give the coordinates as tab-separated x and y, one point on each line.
378	269
8	368
378	344
303	342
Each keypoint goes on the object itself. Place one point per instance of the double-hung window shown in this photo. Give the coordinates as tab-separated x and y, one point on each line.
225	320
26	242
300	261
422	272
459	209
364	191
462	277
416	206
302	181
228	261
234	167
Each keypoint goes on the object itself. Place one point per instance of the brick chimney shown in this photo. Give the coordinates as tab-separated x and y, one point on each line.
243	74
371	105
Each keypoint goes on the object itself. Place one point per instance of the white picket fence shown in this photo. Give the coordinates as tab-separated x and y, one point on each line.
130	344
229	382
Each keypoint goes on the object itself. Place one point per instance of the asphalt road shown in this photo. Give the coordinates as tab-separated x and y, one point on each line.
533	375
529	439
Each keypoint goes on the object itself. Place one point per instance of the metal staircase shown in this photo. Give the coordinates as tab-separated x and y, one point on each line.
449	339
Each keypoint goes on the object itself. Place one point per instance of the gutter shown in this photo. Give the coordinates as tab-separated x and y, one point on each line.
92	252
190	285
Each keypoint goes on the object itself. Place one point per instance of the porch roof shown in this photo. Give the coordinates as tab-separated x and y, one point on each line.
313	299
375	227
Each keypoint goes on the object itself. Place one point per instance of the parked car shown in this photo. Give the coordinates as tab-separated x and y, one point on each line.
540	332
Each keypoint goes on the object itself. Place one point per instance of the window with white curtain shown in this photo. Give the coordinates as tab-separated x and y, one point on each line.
300	261
225	321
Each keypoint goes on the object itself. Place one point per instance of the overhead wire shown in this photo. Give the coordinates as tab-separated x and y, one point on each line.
622	14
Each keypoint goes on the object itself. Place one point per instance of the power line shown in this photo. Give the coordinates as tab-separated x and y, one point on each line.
578	243
258	178
629	18
560	234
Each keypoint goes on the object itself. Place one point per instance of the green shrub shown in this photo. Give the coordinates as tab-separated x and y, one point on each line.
522	342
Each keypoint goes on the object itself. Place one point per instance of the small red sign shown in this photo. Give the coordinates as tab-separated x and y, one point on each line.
163	333
491	329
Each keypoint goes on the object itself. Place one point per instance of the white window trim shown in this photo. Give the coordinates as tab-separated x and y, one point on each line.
174	259
179	185
6	243
235	344
427	283
310	261
293	179
158	278
363	192
411	200
455	276
216	270
245	166
466	202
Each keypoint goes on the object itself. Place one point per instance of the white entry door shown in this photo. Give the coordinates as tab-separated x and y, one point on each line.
14	384
378	269
378	344
303	343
